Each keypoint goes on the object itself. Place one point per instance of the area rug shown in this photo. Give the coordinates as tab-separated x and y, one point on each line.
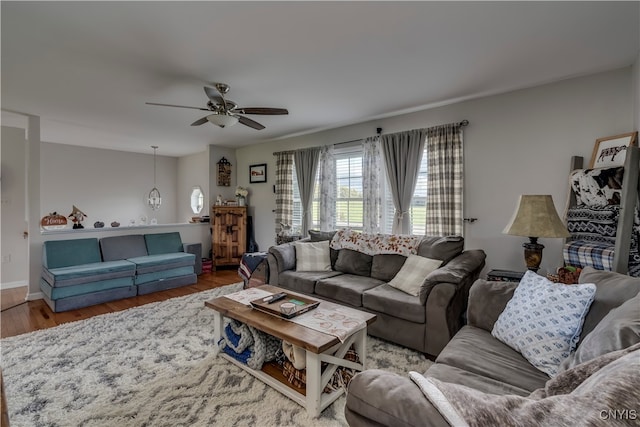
154	365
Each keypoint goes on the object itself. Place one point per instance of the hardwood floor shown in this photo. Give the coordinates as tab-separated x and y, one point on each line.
12	297
35	315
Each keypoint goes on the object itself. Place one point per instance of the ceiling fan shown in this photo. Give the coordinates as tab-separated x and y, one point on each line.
223	112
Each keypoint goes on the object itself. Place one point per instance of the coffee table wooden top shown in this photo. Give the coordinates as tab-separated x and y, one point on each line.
314	341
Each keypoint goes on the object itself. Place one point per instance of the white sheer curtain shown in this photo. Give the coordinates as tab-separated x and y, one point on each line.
372	167
327	189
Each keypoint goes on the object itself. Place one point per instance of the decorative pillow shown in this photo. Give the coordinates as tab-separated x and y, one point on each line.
543	320
619	329
386	266
312	256
319	236
413	272
354	262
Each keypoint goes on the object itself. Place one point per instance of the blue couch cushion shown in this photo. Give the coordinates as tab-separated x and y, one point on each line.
152	263
55	293
159	276
123	247
74	275
65	253
163	243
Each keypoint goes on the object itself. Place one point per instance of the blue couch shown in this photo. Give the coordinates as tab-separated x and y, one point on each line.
82	272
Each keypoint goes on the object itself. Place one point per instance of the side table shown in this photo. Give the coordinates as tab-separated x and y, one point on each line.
505	276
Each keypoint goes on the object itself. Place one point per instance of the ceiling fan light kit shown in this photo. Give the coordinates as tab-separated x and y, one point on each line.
224	113
222	119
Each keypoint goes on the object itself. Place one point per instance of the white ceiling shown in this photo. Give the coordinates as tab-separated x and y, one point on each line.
87	68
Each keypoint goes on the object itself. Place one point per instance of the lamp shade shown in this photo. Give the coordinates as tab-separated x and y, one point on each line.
536	216
222	119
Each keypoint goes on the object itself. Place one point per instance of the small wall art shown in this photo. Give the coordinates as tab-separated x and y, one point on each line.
611	151
224	173
258	173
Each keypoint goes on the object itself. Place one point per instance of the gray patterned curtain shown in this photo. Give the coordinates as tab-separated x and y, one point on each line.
306	162
445	180
371	167
327	189
402	153
284	189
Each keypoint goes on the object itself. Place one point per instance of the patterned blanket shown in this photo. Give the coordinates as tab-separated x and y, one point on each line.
599	392
374	244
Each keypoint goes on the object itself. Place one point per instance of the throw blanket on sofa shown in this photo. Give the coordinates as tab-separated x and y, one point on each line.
601	392
374	244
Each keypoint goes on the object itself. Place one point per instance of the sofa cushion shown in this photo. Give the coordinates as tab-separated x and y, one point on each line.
346	288
78	274
123	247
312	256
165	274
619	329
163	243
475	350
413	272
353	262
65	253
543	320
452	374
152	263
319	236
303	281
56	293
442	248
389	300
386	266
612	289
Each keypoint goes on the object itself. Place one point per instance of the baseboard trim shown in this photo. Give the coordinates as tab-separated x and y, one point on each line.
11	285
35	296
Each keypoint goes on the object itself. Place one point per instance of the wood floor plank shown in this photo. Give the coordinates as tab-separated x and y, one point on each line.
35	315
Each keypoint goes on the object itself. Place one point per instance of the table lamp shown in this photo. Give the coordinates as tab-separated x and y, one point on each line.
535	217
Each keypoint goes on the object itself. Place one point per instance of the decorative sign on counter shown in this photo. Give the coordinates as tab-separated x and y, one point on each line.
53	221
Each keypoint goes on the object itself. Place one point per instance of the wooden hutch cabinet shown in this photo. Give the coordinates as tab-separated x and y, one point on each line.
228	234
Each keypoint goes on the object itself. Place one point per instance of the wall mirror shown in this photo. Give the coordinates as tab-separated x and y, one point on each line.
197	199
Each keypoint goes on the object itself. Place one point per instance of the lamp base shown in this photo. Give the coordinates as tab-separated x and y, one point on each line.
533	254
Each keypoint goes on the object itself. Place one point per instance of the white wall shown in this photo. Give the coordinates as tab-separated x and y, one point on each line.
636	92
14	271
517	143
192	171
107	185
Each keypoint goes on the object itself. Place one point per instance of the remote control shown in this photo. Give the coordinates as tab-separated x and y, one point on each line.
273	298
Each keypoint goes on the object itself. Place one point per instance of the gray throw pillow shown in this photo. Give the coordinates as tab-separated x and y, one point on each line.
318	236
354	262
619	329
386	266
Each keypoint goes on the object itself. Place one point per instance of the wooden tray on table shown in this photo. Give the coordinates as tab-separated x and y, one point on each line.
303	304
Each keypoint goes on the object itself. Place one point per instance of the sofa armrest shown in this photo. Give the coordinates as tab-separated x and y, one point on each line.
457	271
196	249
381	398
280	258
486	301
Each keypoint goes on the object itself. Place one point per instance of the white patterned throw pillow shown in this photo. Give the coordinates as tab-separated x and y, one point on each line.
543	320
312	256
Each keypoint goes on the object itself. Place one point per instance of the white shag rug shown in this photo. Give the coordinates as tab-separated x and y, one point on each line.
154	365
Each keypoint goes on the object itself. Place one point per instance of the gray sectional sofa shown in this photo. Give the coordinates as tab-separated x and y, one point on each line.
504	382
425	322
82	272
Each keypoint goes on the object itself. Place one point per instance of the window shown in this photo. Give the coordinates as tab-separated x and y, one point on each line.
349	202
296	225
417	210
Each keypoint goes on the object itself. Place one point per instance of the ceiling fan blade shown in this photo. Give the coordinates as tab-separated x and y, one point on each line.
200	121
179	106
248	122
262	110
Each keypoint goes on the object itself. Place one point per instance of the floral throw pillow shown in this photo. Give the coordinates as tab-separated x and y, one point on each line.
543	320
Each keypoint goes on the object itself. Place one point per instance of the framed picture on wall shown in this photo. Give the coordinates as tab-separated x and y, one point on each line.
611	151
258	173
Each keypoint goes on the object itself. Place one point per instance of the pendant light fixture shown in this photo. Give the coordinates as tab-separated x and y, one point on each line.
154	200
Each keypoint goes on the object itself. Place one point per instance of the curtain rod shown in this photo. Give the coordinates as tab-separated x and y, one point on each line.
463	123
